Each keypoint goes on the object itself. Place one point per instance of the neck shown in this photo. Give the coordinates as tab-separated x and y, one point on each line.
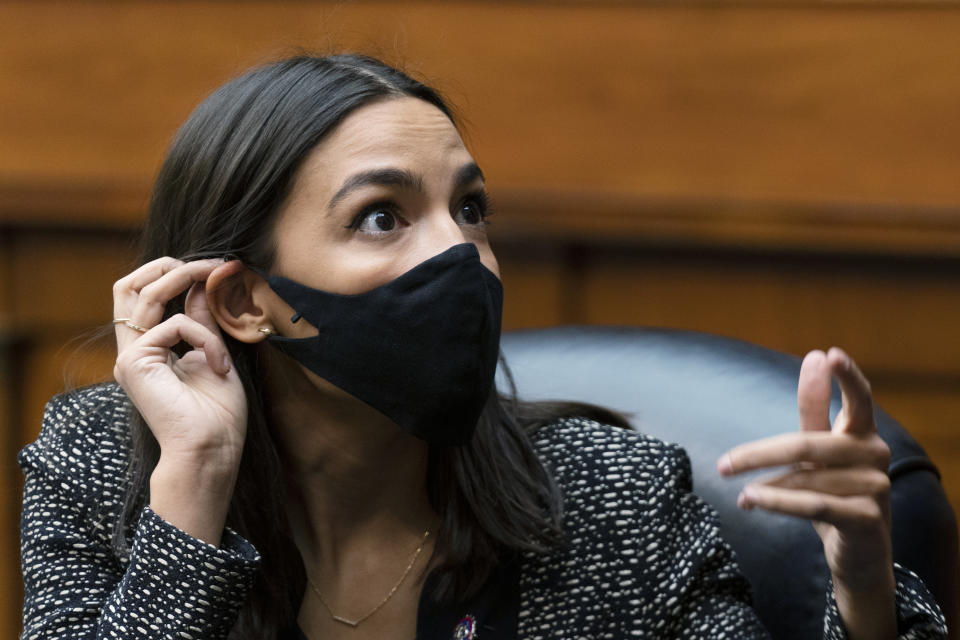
357	482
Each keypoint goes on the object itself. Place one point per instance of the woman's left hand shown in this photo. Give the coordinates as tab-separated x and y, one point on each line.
838	480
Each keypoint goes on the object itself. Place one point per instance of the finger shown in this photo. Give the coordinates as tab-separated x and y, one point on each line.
151	271
154	297
125	289
819	447
179	328
839	482
195	306
813	392
857	414
840	511
125	292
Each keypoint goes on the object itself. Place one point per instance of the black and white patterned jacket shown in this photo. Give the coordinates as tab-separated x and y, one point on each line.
645	558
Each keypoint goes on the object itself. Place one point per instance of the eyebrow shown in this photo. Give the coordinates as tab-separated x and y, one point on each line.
400	178
467	174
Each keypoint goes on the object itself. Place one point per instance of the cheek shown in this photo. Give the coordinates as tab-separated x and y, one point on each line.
359	272
489	260
342	268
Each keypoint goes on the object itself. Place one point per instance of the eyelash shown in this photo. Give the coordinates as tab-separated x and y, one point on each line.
480	198
382	205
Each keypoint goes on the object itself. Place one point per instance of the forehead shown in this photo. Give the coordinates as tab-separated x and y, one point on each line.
402	132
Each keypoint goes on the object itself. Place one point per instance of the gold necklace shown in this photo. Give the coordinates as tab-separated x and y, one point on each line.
355	623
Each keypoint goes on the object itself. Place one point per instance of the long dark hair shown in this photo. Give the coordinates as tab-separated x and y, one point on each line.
229	169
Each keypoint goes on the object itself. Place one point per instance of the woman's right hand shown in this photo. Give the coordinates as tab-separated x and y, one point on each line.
194	405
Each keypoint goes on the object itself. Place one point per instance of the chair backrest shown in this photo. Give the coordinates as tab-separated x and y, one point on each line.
709	393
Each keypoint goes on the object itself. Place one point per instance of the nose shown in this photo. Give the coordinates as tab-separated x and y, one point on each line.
438	231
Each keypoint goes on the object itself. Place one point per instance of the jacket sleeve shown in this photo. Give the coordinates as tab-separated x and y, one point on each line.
918	615
645	558
169	585
706	596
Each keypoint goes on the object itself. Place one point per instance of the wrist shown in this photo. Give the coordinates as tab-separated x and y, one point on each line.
878	583
868	610
204	478
210	466
867	570
193	493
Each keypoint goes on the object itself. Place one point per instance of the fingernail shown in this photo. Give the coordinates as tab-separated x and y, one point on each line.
226	365
724	466
747	498
844	359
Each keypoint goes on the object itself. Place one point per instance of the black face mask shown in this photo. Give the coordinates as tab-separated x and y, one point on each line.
421	349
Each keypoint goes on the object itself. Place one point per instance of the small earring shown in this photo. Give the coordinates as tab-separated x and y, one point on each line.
267	331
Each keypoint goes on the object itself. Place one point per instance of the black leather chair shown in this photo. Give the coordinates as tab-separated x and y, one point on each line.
709	393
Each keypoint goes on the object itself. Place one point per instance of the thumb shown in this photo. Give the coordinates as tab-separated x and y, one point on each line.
813	392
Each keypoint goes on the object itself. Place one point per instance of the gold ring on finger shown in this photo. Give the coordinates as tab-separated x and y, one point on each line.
130	324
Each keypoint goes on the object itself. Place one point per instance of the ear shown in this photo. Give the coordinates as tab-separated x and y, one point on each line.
238	301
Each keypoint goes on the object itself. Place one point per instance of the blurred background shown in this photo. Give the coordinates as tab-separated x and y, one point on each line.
785	173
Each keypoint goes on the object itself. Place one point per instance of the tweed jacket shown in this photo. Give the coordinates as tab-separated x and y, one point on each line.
644	560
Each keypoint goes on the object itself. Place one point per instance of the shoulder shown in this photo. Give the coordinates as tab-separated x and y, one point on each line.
624	488
84	439
588	456
635	532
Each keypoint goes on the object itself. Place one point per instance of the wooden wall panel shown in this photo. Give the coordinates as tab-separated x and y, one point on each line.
61	361
10	412
535	290
893	316
50	292
9	500
60	295
802	103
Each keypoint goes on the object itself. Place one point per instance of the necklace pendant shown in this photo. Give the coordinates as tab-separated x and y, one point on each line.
466	629
349	623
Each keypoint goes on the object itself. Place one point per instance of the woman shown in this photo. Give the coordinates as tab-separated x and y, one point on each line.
315	447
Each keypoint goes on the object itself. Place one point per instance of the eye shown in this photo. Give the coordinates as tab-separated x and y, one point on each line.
375	220
473	210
